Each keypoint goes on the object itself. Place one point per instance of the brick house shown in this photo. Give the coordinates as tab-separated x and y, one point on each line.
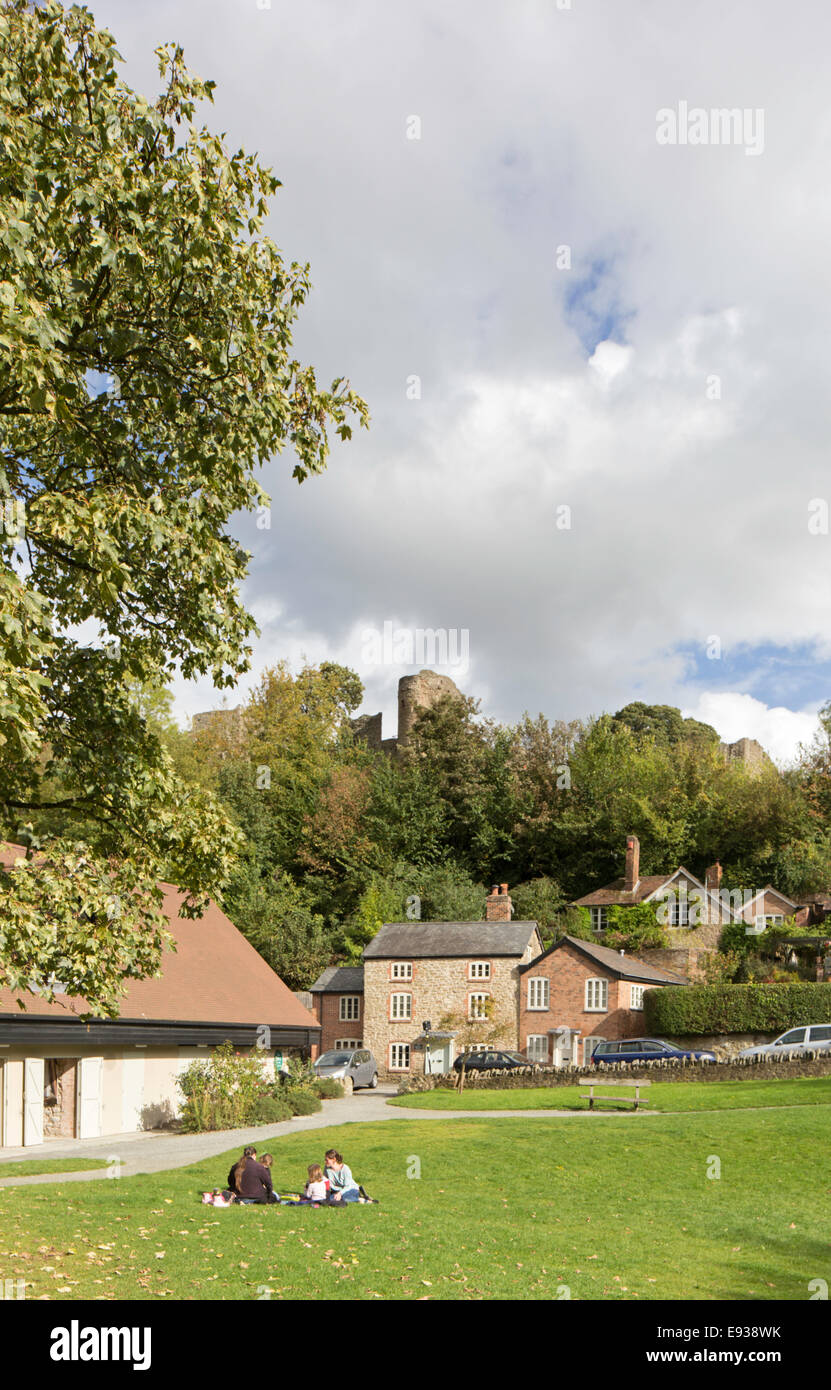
456	977
338	1006
579	993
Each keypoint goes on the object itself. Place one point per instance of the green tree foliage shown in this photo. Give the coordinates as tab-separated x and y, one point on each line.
664	724
145	327
276	914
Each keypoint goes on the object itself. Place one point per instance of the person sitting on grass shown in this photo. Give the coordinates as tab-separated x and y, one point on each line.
254	1185
317	1188
248	1152
342	1185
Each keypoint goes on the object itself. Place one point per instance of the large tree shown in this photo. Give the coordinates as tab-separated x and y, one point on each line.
145	327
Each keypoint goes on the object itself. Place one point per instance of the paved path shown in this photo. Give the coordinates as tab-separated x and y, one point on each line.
162	1149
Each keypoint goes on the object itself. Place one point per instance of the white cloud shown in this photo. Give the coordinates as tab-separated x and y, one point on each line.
780	731
437	257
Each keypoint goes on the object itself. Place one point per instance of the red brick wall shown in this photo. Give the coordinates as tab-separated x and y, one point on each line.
567	970
326	1008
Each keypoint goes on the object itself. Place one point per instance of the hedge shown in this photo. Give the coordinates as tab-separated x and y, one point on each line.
687	1010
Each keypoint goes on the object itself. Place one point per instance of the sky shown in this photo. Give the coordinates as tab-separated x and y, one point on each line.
589	318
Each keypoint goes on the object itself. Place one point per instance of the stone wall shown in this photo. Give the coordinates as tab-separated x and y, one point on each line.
59	1099
765	1069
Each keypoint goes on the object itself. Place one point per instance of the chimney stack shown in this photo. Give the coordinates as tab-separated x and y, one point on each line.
633	863
712	878
498	904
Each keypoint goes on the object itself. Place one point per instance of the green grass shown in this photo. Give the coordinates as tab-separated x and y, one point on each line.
668	1097
28	1167
503	1208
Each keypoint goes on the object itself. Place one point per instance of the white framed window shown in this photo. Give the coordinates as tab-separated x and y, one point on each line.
538	992
679	911
597	996
479	970
536	1047
399	1056
402	970
589	1044
350	1008
346	1044
477	1006
769	919
636	997
600	918
401	1006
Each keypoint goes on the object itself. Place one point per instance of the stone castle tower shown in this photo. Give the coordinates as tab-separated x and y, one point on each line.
415	693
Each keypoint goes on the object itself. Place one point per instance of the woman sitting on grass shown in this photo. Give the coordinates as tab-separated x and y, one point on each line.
252	1180
248	1152
342	1185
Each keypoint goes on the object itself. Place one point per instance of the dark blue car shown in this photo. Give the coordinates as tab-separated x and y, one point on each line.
645	1050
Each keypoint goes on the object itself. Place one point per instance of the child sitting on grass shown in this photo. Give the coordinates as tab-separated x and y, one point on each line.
317	1188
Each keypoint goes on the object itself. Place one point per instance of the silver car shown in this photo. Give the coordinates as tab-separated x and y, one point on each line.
795	1043
353	1069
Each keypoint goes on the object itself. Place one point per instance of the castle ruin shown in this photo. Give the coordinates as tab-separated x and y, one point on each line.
415	693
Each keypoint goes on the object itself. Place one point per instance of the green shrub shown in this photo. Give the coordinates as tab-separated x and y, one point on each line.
269	1110
326	1088
301	1101
755	1008
220	1091
634	928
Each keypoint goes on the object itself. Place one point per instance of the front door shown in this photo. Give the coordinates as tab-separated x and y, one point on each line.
562	1052
438	1059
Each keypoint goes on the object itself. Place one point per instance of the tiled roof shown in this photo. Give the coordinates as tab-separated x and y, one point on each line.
624	966
615	892
435	940
340	979
214	976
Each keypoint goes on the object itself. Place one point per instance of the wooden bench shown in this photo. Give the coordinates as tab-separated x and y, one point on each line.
634	1100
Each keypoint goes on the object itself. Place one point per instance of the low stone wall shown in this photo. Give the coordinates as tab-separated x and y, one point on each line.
525	1078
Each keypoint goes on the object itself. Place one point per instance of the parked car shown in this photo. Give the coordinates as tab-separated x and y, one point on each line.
488	1060
353	1069
795	1043
645	1050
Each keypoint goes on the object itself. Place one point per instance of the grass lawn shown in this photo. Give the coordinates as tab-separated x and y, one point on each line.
503	1208
665	1096
28	1167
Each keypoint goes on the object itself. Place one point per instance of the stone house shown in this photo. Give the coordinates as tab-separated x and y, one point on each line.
432	987
693	913
61	1076
338	1006
578	994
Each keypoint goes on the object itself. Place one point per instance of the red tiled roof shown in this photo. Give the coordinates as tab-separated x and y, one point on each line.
615	892
214	976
